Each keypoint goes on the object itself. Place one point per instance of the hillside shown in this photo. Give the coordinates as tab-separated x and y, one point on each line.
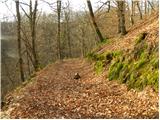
53	93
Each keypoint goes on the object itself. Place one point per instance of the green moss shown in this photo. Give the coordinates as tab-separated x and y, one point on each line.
140	38
140	50
137	67
140	63
99	65
117	53
136	72
124	75
105	41
155	62
131	80
90	56
114	70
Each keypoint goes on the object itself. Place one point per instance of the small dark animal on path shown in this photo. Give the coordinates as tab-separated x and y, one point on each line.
77	76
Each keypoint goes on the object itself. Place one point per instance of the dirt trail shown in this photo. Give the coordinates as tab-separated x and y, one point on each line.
55	94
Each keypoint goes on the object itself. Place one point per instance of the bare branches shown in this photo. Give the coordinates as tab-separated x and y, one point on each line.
103	4
9	9
94	22
151	5
25	12
51	5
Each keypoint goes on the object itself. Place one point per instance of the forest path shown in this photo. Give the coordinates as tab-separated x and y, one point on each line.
55	94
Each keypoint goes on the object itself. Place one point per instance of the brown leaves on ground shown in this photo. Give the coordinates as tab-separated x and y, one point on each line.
55	94
148	25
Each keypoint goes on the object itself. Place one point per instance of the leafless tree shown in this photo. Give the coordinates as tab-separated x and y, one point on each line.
33	15
19	41
58	29
94	21
139	9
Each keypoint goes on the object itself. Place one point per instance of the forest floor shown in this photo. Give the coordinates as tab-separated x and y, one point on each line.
55	94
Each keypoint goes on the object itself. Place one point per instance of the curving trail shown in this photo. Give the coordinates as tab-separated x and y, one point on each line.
55	94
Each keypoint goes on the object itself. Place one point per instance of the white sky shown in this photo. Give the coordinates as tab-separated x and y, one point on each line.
76	5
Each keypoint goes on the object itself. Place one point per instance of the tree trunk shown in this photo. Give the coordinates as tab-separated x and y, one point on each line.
132	11
32	19
139	9
19	41
121	19
34	36
109	5
145	6
28	64
94	22
58	29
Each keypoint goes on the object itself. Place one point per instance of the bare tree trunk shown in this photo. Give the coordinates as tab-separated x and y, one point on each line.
139	9
32	18
67	19
121	19
58	29
34	36
19	41
145	6
132	11
109	5
28	64
94	22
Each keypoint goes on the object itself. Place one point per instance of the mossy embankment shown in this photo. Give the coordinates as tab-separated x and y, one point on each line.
137	67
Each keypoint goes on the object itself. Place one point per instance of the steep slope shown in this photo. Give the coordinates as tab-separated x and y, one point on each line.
132	59
150	26
53	93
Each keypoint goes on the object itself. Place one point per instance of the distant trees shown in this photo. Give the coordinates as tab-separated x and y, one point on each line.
19	41
94	21
67	22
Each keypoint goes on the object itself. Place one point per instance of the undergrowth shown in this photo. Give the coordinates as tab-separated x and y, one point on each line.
137	68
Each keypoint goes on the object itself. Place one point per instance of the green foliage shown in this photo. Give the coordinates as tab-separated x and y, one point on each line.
91	56
140	38
102	59
138	73
137	68
114	70
140	63
105	41
99	65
